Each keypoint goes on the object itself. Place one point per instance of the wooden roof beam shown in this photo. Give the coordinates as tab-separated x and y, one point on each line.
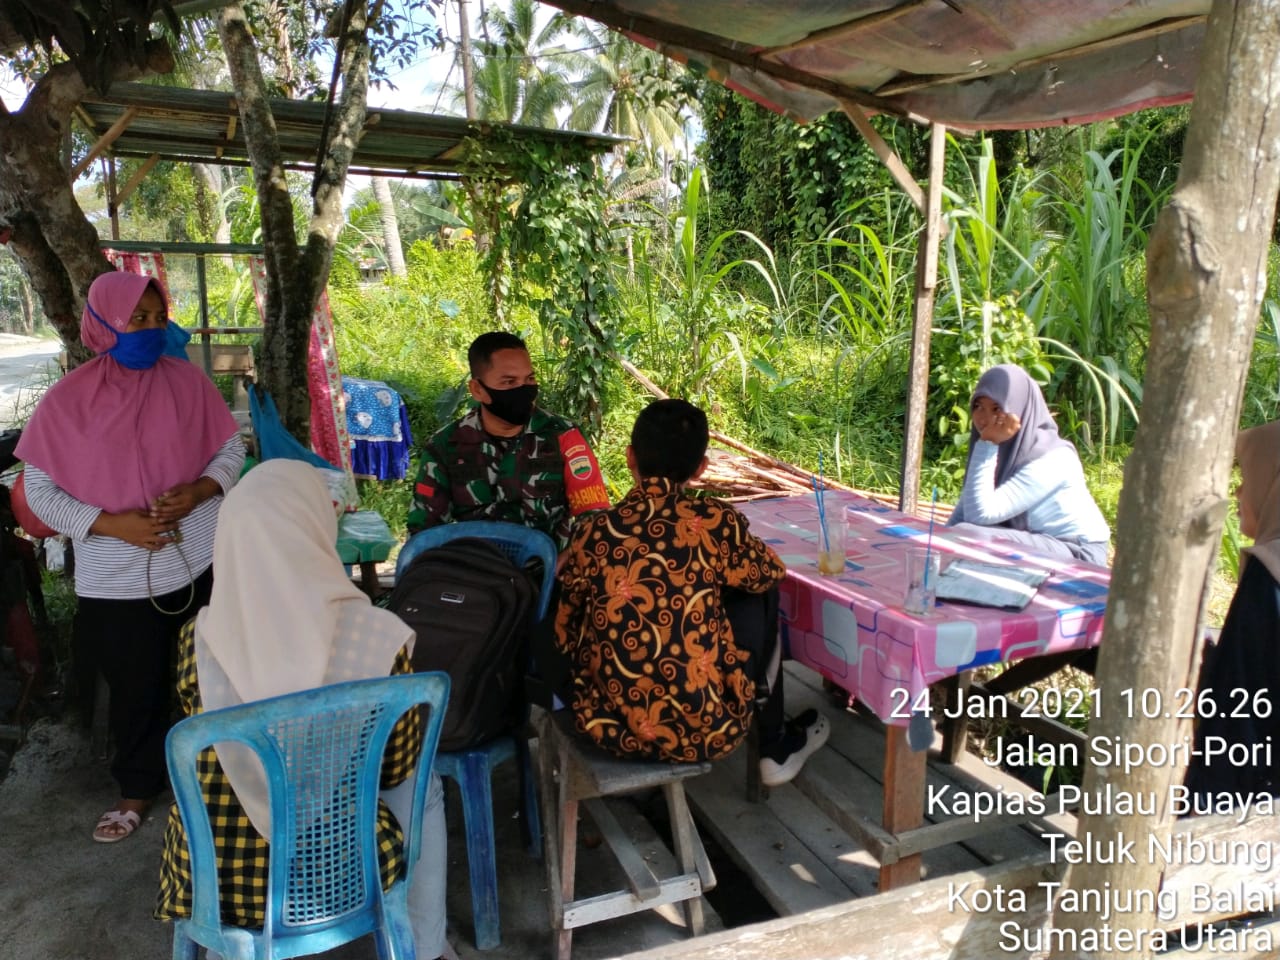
897	169
696	40
103	142
849	28
124	193
437	172
231	132
896	87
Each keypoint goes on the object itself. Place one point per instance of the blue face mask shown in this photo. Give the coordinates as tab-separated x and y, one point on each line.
175	341
141	349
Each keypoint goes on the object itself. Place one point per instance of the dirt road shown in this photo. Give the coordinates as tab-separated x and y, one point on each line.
27	366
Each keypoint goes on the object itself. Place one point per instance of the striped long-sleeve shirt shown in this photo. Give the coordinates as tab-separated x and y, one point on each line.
112	569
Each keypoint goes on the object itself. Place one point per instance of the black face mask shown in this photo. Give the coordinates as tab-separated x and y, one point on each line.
513	406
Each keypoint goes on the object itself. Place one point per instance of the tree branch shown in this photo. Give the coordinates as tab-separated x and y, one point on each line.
344	137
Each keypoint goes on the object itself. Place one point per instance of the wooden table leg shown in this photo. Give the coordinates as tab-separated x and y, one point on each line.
369	578
904	774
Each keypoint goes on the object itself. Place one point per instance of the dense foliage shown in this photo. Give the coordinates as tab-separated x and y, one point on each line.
770	277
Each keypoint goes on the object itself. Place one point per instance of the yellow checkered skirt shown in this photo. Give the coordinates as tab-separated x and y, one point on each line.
242	852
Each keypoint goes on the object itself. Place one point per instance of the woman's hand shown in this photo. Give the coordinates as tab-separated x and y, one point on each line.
137	527
1002	427
176	502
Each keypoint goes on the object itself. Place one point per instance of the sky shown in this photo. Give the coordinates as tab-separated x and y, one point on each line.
419	87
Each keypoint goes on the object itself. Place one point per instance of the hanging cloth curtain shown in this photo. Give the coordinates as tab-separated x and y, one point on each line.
324	380
144	264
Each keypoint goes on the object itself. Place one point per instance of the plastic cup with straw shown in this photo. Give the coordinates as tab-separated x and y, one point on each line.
920	591
928	543
831	555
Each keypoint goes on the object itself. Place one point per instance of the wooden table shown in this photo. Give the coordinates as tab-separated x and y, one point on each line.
852	629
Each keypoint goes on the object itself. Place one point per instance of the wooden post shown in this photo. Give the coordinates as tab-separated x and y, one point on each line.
1206	274
904	776
922	327
892	162
113	205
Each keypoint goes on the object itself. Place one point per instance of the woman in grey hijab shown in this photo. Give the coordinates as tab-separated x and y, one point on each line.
1024	482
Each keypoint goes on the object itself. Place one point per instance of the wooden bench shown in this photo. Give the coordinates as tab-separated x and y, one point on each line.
573	771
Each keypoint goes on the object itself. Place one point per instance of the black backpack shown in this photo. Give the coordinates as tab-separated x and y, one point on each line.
471	609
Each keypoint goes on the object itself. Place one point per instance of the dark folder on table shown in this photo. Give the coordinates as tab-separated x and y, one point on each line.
990	584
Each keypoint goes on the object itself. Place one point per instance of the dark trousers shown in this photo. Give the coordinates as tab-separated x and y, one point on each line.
134	644
754	618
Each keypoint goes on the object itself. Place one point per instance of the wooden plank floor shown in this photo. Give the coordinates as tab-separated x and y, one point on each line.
798	855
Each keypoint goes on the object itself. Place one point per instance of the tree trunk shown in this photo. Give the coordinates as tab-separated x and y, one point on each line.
210	183
28	307
58	248
390	227
287	74
1206	275
296	276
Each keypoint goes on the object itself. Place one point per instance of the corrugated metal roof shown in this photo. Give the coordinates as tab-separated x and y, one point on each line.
204	126
971	64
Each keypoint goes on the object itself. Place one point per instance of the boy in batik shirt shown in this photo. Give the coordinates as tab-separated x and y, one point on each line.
668	613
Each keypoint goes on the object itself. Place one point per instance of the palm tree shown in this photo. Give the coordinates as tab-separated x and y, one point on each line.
519	78
628	90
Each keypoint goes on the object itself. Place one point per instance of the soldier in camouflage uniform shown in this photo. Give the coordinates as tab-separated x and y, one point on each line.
506	459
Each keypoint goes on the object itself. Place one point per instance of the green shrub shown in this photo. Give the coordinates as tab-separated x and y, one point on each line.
413	332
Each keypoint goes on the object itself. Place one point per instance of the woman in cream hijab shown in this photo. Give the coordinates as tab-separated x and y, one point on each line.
1246	660
284	617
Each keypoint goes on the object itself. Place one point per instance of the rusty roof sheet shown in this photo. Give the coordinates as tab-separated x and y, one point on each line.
203	126
971	64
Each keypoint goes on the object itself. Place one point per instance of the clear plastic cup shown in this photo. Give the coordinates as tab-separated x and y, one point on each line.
923	566
833	547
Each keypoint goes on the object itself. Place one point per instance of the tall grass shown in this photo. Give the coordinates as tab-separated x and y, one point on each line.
1096	315
685	318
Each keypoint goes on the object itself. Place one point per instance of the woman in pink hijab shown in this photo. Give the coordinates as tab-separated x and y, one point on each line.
130	455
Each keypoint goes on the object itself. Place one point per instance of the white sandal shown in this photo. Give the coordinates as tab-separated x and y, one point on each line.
125	820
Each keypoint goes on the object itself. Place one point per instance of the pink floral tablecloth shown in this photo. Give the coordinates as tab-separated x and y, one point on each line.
852	628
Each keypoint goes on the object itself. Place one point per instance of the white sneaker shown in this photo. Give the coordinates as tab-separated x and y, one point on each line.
774	773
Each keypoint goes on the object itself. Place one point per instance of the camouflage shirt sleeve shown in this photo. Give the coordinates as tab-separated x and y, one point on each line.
431	505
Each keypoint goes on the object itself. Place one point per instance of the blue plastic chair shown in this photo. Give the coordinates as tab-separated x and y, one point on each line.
322	752
472	770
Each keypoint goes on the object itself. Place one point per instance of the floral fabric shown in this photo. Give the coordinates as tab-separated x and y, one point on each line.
656	673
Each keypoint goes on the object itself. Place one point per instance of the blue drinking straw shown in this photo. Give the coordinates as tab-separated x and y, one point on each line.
928	544
822	504
822	512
